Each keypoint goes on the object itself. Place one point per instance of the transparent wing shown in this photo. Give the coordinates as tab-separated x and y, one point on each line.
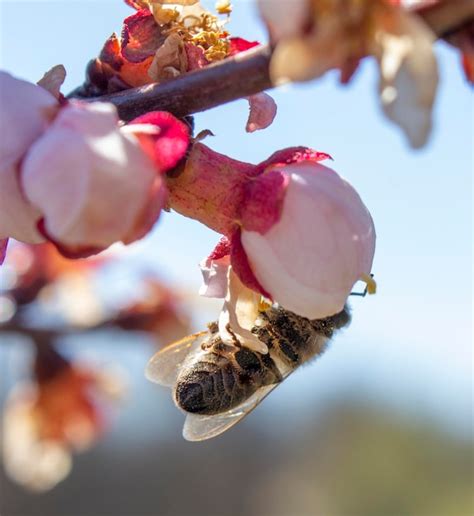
199	428
164	366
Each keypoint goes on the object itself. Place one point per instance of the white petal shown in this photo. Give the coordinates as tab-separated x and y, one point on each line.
408	76
239	313
214	273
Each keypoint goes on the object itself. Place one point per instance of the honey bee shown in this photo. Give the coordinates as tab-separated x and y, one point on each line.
217	384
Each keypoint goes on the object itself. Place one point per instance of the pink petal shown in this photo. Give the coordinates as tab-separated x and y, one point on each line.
263	110
25	110
91	181
18	217
321	246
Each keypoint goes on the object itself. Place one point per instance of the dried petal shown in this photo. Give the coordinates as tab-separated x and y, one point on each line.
408	75
53	80
263	110
141	36
196	57
171	54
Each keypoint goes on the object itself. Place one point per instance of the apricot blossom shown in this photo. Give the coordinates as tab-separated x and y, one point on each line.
322	244
91	182
25	109
295	231
314	37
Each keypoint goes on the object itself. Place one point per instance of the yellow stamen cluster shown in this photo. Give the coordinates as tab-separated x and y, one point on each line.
202	29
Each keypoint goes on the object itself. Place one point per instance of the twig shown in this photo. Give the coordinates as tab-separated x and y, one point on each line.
38	334
247	73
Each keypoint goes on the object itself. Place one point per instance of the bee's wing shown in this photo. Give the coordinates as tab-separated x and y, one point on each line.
164	366
199	428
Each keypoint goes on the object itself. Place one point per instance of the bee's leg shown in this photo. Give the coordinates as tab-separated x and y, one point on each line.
235	340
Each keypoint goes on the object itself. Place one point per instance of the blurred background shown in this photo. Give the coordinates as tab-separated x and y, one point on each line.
380	425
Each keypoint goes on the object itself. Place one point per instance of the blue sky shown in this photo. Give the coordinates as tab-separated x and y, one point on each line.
411	344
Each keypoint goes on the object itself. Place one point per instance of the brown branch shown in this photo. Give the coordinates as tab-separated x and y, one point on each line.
248	73
48	335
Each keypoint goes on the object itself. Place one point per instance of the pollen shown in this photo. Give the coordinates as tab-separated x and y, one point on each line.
370	282
202	29
264	305
224	7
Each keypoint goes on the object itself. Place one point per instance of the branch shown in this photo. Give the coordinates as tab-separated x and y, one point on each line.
247	73
38	334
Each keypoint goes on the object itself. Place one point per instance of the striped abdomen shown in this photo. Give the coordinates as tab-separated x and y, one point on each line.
221	378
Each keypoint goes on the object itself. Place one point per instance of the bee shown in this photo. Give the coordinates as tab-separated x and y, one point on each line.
217	384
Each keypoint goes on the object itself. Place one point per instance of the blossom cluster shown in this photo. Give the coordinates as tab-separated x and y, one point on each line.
65	405
82	180
71	175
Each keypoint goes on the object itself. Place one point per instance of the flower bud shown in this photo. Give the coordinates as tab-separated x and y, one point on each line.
321	245
91	181
24	114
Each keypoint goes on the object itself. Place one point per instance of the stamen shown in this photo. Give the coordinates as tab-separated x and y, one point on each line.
370	282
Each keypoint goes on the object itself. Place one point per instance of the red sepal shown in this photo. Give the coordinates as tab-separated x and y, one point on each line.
141	36
3	249
241	265
263	203
223	248
238	45
170	145
292	155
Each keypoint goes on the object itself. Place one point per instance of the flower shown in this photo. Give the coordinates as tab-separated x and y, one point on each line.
71	175
165	39
45	421
322	244
25	110
295	231
314	37
91	182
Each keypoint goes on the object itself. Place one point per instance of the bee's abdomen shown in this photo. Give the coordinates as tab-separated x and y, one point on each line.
217	383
